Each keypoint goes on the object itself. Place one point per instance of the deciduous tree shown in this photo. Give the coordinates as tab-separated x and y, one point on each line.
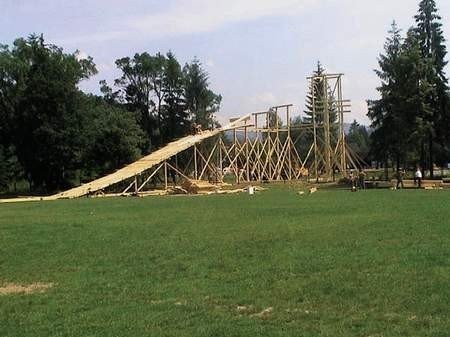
40	95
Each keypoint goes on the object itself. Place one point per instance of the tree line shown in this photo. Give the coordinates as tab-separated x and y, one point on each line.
53	135
411	120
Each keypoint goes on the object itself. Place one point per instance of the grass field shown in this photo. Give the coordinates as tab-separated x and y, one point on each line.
335	263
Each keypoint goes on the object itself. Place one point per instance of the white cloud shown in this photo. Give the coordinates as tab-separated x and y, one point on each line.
195	16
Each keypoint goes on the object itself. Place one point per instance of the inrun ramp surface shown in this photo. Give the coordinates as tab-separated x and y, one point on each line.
145	163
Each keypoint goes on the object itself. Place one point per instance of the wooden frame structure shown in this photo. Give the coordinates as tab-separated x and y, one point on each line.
331	152
259	147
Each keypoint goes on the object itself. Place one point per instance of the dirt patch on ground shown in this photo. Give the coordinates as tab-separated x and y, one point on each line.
266	313
13	288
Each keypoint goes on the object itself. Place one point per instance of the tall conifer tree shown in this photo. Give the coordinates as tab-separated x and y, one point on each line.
384	112
434	51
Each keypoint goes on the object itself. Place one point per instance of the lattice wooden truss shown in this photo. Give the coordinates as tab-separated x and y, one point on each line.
259	147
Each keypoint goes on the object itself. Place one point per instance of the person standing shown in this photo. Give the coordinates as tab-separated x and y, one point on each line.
352	181
362	179
400	176
418	177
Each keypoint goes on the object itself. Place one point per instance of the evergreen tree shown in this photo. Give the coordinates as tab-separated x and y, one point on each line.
387	113
317	101
433	48
359	140
413	90
316	98
411	117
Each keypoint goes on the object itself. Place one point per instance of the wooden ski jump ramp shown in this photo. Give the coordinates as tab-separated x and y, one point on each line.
139	166
262	148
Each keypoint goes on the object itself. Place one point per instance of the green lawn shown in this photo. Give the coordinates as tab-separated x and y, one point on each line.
335	263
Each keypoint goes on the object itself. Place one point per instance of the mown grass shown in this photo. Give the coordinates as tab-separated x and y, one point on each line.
335	263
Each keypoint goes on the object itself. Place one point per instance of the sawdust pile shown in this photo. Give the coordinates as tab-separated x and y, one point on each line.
12	288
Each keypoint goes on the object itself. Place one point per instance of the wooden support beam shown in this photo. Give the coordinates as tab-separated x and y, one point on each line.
166	185
150	177
195	163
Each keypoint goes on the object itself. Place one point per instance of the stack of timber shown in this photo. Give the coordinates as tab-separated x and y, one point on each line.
199	187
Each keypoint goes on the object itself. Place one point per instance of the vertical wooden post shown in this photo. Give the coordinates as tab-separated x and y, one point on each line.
195	162
289	149
313	90
276	119
236	164
165	175
326	126
221	159
136	185
277	144
342	131
258	156
269	149
247	159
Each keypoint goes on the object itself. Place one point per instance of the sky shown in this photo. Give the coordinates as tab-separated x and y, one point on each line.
258	53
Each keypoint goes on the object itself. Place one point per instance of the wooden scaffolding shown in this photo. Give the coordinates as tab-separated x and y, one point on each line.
260	147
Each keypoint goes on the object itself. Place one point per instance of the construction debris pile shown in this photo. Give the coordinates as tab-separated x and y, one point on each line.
201	187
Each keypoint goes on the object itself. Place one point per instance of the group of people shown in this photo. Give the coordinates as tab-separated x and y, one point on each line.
196	129
417	177
358	179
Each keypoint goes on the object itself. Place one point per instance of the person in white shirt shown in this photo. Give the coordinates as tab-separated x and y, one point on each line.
418	177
